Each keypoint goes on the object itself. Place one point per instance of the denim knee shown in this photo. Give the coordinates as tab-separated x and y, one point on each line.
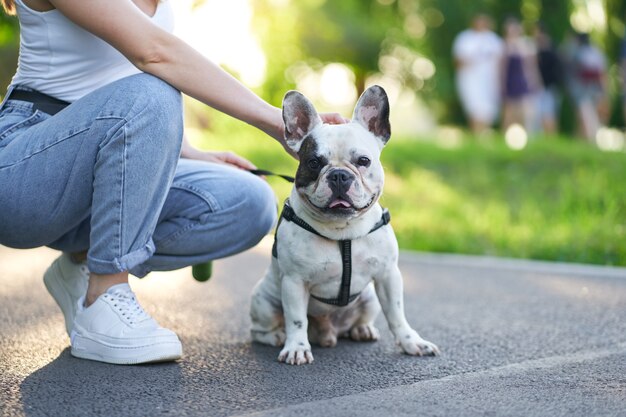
159	101
233	223
135	166
213	211
259	205
159	95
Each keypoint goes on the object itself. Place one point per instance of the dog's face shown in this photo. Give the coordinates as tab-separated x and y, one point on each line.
340	175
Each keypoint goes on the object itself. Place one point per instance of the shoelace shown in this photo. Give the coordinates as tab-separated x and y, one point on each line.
130	309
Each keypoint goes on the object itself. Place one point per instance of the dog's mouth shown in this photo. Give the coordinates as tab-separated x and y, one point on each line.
340	203
342	206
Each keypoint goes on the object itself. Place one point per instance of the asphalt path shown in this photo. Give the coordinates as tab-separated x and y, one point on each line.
518	338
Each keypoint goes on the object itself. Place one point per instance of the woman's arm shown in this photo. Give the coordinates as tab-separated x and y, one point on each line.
156	51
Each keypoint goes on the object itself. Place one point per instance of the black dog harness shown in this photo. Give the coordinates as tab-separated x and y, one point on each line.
345	247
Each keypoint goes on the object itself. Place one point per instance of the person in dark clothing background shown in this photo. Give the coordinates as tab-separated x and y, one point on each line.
551	74
520	78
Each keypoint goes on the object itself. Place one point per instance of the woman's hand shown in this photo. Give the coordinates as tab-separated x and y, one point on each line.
333	118
278	132
226	158
217	157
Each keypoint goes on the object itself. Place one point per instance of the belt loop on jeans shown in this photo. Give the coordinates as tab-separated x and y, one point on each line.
6	97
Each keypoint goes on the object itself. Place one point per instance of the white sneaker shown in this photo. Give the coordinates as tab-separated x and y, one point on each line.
116	329
67	281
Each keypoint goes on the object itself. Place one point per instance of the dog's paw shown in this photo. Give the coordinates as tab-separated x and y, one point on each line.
328	340
414	345
364	333
296	353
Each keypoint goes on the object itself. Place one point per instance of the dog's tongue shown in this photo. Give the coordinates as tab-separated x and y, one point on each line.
339	203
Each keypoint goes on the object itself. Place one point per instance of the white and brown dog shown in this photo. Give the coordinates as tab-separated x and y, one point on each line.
335	256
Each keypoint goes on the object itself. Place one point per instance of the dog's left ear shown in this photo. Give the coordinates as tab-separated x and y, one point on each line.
300	119
372	112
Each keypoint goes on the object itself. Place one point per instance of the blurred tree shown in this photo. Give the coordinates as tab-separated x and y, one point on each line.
9	45
410	40
350	32
616	31
363	33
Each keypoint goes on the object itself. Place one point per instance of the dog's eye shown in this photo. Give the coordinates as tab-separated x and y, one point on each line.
363	161
314	163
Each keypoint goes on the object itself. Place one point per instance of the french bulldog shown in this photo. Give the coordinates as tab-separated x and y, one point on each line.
338	183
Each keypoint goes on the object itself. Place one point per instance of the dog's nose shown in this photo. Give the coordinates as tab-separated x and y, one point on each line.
340	179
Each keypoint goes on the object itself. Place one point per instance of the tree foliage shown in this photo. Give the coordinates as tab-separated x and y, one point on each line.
9	40
393	37
361	33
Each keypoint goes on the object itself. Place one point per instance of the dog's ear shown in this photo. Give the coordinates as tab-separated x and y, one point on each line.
372	112
300	118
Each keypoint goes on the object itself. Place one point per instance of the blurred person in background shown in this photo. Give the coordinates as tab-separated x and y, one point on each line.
520	76
551	73
589	86
477	52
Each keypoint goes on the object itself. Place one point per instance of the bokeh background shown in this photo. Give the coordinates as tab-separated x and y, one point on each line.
549	196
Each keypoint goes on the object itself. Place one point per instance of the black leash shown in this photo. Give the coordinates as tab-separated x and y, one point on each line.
202	272
265	172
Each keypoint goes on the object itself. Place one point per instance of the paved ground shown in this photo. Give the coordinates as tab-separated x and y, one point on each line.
518	339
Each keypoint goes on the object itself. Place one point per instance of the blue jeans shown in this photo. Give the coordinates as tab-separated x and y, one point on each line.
105	175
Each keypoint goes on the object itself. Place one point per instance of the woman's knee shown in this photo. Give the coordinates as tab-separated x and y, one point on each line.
155	101
260	208
159	95
218	213
247	213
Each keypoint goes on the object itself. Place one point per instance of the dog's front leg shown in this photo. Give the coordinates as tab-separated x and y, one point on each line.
295	297
390	293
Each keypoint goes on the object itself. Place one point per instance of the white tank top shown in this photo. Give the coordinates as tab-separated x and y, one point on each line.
63	60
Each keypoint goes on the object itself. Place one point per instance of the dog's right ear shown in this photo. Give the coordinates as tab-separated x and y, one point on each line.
300	119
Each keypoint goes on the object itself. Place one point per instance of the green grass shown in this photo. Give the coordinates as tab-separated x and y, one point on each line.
555	200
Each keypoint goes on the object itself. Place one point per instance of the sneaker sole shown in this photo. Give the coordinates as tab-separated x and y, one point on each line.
57	290
86	348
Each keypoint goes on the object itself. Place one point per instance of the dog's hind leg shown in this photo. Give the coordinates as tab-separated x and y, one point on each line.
266	314
356	321
363	329
322	331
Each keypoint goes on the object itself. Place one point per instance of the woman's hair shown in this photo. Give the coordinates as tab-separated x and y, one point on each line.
9	5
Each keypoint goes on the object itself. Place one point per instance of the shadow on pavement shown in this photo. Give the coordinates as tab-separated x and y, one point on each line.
71	386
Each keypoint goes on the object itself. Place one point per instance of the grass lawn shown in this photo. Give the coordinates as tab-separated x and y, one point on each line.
555	200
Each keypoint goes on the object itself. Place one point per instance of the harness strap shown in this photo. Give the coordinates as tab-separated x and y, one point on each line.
345	247
384	221
291	216
344	298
